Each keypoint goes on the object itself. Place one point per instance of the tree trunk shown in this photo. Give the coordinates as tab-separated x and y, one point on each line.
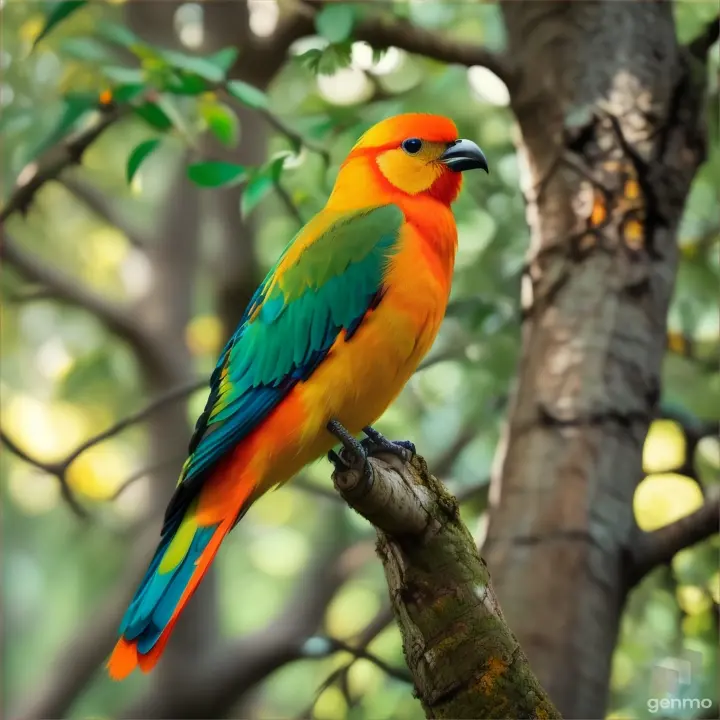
609	108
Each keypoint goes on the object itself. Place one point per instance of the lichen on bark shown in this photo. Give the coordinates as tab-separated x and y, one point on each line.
465	661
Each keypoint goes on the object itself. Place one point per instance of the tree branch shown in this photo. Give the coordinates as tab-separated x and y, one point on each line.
105	208
58	158
60	469
660	546
383	32
700	46
474	668
71	291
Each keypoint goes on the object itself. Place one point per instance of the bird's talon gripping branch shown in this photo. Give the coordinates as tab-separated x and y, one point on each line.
377	443
353	474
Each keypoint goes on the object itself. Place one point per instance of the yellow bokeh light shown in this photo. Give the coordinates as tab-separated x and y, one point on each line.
280	553
364	677
204	335
275	509
31	28
33	491
351	610
663	498
692	599
330	705
99	471
664	447
714	587
45	430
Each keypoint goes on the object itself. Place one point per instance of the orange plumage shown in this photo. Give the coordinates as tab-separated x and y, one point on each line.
334	332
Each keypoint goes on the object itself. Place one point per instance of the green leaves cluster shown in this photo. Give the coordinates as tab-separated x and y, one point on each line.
163	74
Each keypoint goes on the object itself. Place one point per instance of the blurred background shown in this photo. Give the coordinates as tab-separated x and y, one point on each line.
122	281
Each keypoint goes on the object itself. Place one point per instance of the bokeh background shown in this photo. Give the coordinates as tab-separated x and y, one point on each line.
184	258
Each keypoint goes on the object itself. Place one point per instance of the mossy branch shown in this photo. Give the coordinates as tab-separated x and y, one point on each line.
464	659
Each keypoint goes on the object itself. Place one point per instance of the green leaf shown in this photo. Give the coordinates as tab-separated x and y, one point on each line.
203	67
125	93
216	173
117	34
255	191
123	75
335	22
76	106
138	155
222	121
59	12
248	95
154	115
85	48
180	82
224	59
260	184
310	59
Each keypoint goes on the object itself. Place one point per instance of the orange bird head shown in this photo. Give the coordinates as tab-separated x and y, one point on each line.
416	154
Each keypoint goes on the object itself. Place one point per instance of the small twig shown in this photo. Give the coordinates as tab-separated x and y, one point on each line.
295	138
60	469
177	393
700	46
290	206
70	290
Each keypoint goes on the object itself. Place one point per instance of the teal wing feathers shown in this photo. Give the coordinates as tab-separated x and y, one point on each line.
288	328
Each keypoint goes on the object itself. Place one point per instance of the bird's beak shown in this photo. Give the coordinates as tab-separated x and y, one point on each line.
464	155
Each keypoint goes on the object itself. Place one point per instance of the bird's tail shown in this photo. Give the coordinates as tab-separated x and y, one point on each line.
186	550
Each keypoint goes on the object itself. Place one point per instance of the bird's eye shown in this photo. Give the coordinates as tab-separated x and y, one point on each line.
412	146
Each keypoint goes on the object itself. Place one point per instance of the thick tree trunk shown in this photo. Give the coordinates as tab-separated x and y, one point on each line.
609	108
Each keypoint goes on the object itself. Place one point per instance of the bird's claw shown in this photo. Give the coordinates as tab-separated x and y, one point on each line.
352	456
376	443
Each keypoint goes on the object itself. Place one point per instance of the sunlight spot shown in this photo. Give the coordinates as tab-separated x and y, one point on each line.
346	86
136	274
663	498
264	15
487	86
189	24
52	359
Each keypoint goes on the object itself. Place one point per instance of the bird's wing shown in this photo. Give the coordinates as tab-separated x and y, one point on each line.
319	289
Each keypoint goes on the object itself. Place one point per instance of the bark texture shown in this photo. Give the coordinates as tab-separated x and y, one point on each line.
609	111
465	661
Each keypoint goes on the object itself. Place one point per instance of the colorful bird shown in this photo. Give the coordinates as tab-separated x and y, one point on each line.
327	342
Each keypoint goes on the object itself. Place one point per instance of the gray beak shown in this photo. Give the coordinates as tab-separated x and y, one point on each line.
464	155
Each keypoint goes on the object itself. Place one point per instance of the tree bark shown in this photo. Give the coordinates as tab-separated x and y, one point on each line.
609	109
465	661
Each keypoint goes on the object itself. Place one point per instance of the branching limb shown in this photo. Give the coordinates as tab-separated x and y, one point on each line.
471	669
700	46
60	157
382	32
660	546
60	469
71	291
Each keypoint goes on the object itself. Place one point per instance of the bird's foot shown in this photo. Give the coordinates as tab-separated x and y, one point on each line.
376	443
352	456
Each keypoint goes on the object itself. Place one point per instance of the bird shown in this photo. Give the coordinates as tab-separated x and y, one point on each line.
326	343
